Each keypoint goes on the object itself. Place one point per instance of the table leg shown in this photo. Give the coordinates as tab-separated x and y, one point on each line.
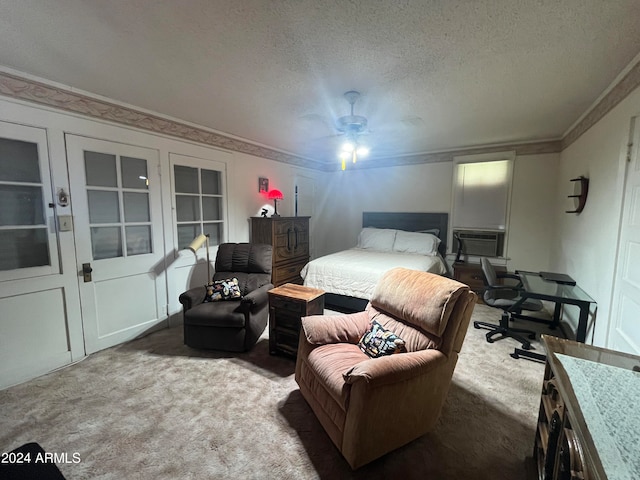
557	310
581	334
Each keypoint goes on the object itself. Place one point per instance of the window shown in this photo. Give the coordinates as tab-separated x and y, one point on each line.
199	201
28	246
481	190
117	184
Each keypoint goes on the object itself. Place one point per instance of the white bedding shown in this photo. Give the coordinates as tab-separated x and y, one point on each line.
356	271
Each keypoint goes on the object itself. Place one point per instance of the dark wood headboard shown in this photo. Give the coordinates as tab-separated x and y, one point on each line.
410	222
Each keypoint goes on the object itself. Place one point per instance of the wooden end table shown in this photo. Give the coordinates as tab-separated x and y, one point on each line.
288	303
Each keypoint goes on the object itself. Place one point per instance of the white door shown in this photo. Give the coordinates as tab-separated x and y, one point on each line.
34	334
115	198
624	325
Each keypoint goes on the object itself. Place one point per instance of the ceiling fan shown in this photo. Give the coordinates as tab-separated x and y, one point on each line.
352	126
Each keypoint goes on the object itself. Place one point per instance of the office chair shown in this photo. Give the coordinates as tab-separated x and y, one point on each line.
505	297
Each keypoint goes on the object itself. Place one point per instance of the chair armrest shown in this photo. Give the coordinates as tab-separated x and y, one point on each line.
511	276
323	329
395	368
508	275
192	297
258	297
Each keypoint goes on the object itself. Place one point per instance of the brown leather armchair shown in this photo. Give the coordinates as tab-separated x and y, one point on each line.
231	325
371	406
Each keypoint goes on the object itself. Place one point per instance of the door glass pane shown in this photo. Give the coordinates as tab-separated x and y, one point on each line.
21	205
19	161
136	207
186	179
103	206
106	242
211	207
138	239
211	182
23	248
100	169
214	230
134	173
187	208
186	233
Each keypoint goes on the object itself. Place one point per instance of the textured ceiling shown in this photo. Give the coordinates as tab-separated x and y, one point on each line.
434	75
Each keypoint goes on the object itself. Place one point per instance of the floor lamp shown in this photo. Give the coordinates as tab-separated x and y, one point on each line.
195	244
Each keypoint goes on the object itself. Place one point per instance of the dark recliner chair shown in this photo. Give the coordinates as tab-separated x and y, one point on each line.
503	296
231	325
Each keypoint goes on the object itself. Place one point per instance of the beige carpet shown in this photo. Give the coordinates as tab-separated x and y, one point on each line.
155	409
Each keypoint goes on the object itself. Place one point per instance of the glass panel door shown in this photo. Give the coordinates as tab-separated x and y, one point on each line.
114	185
27	244
199	204
118	235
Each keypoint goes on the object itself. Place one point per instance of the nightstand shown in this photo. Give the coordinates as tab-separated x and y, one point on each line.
471	274
288	303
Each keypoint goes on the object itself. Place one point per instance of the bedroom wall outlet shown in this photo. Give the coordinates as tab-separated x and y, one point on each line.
65	223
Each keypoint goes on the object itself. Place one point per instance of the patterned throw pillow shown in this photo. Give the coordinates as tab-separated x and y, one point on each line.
228	289
378	341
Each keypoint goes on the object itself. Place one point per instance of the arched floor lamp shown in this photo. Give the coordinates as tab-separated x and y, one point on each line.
195	244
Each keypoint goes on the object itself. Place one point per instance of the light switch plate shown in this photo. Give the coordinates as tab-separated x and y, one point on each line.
65	223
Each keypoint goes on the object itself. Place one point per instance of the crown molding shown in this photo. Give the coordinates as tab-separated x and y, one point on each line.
618	92
22	88
525	148
65	98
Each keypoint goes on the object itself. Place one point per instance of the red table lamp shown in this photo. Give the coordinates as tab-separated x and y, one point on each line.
275	195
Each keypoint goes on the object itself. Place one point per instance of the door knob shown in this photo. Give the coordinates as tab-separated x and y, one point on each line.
86	272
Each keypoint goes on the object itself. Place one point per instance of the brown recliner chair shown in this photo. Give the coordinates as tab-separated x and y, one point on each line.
231	325
370	406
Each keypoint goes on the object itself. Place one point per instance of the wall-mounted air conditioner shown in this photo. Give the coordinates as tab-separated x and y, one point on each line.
480	243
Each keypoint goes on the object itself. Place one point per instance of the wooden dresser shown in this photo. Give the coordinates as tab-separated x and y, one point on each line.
589	414
289	237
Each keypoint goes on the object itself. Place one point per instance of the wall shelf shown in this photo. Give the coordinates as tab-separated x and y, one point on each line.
583	190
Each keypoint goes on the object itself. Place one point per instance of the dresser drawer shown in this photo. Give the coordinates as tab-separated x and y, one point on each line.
291	306
288	272
473	278
288	323
286	343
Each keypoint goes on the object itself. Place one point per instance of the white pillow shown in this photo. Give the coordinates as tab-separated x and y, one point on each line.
380	239
416	242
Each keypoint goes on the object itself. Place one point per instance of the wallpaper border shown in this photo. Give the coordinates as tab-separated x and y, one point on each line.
65	99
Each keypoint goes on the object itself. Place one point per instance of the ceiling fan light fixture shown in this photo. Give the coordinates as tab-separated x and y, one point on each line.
362	151
348	147
352	126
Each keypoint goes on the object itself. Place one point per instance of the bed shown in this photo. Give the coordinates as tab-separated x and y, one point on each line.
387	240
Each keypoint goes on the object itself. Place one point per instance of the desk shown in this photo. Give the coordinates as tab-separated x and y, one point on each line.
533	286
589	419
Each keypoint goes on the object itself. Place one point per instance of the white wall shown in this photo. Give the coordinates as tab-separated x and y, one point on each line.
586	244
427	188
180	271
415	188
532	214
